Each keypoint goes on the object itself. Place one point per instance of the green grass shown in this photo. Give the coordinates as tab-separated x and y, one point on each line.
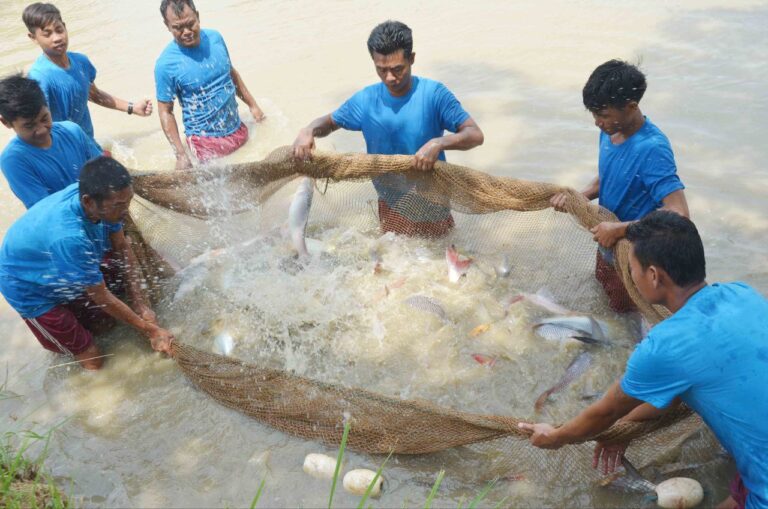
23	481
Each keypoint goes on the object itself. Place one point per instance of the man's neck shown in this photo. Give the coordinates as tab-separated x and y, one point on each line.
60	60
635	124
679	296
405	91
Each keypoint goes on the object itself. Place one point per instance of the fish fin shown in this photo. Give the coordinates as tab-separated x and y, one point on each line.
588	340
597	329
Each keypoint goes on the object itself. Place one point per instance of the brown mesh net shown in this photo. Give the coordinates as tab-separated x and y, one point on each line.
487	215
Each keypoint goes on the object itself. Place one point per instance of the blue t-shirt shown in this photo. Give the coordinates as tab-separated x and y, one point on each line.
66	90
52	253
638	174
34	173
402	125
200	78
713	354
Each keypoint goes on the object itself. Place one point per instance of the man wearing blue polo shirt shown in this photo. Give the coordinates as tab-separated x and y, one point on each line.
637	172
195	68
44	156
50	265
403	114
711	354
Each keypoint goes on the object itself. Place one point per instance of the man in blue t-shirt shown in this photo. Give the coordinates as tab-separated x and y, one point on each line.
711	354
51	265
403	114
636	169
195	68
44	156
67	78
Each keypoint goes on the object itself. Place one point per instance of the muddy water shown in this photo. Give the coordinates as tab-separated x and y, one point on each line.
138	435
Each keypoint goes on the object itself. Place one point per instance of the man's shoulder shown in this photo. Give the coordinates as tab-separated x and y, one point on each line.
651	138
12	151
66	128
41	68
212	34
79	58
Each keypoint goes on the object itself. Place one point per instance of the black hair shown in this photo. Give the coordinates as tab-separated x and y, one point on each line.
40	15
102	176
20	97
614	83
669	241
177	6
389	37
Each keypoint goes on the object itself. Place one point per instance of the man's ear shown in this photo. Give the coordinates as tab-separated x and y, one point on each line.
6	123
412	58
632	106
655	276
31	36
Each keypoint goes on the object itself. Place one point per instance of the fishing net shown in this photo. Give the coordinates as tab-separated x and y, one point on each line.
179	215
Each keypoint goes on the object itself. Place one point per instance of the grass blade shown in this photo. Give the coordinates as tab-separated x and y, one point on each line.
435	487
338	462
258	494
367	494
483	493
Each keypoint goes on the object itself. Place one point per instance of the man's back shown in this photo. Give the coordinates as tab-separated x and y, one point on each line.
713	353
34	173
51	253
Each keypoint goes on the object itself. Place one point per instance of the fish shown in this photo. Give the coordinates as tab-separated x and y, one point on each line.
543	299
504	268
298	215
480	329
485	360
575	369
376	259
630	480
426	304
456	266
582	328
224	343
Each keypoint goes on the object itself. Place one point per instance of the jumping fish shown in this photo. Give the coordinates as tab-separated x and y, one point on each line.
224	343
456	266
504	267
298	215
560	328
543	299
575	369
426	304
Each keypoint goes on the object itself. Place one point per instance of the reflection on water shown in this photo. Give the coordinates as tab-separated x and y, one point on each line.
140	435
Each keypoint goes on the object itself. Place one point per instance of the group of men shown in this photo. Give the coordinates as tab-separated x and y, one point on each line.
63	261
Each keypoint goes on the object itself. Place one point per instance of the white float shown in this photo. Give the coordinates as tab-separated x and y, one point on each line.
679	493
320	466
357	482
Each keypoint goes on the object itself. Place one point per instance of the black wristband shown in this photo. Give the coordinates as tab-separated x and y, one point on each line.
130	108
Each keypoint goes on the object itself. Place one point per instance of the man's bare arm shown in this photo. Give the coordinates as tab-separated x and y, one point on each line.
100	294
305	141
142	108
466	137
676	202
171	130
245	95
596	418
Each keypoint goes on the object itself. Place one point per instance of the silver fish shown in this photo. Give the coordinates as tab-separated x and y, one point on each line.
504	267
426	304
224	343
298	214
630	480
560	328
575	369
